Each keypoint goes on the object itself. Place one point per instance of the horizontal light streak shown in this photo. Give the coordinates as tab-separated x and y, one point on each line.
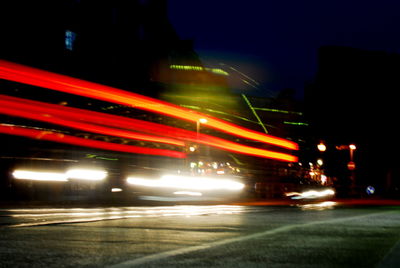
198	68
39	175
319	206
80	174
36	113
188	193
311	194
187	183
36	77
86	174
116	190
238	148
98	118
46	112
277	111
67	139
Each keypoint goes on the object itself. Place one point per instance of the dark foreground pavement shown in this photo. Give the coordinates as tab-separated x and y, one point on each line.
325	234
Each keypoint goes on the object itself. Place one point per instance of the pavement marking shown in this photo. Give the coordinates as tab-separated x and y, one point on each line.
180	251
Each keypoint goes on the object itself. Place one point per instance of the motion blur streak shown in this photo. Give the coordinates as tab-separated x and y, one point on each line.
91	116
95	117
188	183
36	77
62	138
319	206
188	193
235	147
311	194
37	115
45	216
81	174
39	176
46	112
86	174
116	190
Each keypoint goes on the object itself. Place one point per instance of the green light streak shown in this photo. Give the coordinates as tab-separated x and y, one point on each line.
255	113
223	113
198	68
277	111
100	157
295	123
237	161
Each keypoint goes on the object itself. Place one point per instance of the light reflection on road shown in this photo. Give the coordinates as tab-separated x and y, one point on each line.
47	216
318	206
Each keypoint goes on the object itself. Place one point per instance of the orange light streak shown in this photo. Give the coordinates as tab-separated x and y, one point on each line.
243	149
98	118
16	110
62	138
46	112
36	77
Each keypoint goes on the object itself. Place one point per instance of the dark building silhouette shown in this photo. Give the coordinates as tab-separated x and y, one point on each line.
119	43
354	100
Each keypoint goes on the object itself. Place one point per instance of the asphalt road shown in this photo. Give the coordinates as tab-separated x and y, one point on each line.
326	234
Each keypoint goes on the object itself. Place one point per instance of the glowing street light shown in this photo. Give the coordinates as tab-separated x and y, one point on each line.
352	147
321	147
203	120
352	166
200	121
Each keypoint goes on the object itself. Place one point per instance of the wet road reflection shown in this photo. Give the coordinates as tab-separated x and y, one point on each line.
25	217
46	216
256	235
318	206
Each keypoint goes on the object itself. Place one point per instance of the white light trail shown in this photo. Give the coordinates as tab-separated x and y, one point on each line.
80	174
86	174
39	176
311	194
188	183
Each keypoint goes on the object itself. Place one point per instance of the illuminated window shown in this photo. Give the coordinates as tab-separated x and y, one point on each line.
69	39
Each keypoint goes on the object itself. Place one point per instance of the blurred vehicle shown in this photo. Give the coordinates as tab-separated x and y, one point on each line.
294	188
185	187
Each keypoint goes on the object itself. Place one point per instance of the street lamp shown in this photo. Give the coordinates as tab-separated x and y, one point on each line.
321	147
203	120
351	165
200	121
352	147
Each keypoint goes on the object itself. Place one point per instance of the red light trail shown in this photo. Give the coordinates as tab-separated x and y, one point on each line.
67	116
62	138
36	113
19	73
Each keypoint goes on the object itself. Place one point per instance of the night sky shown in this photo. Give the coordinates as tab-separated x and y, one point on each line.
276	42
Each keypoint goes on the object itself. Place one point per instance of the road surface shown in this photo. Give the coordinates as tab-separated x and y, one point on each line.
324	234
